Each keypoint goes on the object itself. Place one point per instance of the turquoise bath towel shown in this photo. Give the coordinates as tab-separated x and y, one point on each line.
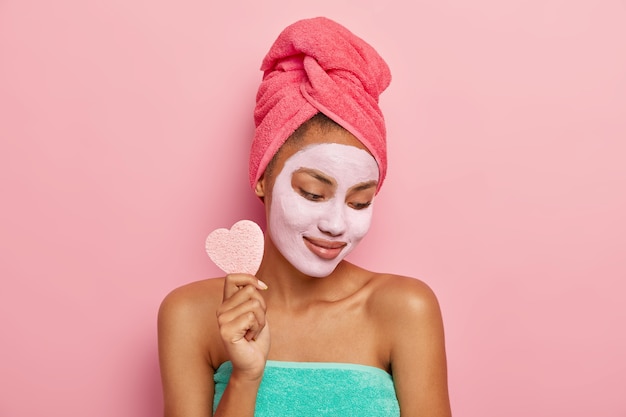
301	389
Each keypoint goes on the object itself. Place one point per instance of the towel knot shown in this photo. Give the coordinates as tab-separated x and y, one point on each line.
317	65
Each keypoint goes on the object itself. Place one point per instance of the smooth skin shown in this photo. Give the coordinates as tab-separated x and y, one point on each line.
352	315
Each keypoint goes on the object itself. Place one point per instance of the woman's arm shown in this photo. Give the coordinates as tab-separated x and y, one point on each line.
186	372
196	321
418	357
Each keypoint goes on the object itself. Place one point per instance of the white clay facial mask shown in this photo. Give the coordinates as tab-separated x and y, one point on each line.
321	205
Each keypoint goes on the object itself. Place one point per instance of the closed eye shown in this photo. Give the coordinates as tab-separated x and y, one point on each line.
310	196
360	206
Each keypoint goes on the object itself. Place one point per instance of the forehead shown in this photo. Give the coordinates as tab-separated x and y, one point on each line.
315	135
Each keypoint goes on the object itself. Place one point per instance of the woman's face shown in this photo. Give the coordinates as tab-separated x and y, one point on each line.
321	200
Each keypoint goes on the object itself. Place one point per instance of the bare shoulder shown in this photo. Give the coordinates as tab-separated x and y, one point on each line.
187	314
193	297
403	298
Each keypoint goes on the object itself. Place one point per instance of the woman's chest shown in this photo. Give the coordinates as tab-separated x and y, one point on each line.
337	333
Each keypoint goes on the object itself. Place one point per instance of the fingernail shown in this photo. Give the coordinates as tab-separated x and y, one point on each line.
262	284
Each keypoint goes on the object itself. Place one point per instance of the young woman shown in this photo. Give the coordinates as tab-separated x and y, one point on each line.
311	334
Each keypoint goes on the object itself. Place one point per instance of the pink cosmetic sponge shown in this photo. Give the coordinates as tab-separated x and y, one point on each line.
238	250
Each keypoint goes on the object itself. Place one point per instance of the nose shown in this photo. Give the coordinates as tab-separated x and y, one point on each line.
333	222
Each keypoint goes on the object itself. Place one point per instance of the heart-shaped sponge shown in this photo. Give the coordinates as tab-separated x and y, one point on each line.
238	250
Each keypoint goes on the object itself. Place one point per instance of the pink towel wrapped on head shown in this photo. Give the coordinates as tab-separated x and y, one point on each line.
317	65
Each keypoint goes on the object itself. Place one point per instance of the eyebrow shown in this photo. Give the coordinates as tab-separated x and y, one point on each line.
316	174
365	185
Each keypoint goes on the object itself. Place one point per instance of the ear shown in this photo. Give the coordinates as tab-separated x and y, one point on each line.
259	188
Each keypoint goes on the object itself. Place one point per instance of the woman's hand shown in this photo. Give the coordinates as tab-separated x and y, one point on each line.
243	326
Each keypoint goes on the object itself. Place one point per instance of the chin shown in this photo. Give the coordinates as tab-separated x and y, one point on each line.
318	268
320	274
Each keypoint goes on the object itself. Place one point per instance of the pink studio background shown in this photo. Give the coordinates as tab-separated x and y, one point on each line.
124	129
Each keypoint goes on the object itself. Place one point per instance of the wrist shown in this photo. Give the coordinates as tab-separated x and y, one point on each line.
246	377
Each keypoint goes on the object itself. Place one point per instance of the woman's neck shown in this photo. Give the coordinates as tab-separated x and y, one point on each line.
293	289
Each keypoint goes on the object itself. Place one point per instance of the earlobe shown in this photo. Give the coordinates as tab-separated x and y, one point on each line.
259	188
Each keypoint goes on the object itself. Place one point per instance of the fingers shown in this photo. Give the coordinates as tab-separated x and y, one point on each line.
235	282
242	313
243	320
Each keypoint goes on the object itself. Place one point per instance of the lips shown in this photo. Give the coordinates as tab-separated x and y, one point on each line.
325	249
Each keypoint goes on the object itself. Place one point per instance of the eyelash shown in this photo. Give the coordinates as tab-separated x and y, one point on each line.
310	196
360	206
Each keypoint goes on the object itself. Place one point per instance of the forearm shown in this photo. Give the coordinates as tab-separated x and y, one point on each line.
239	398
